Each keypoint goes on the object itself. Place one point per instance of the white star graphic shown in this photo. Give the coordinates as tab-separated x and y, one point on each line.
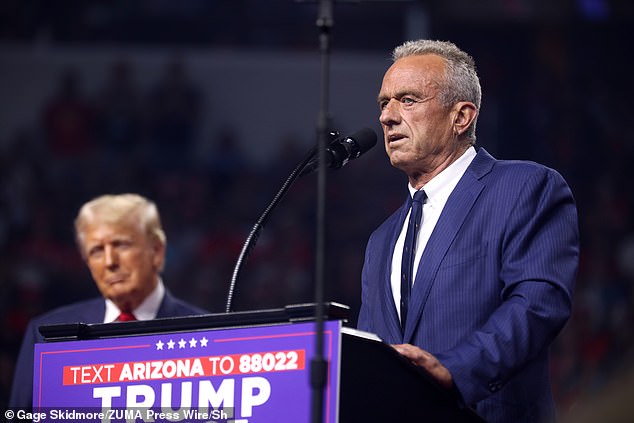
182	343
192	343
159	345
170	345
203	342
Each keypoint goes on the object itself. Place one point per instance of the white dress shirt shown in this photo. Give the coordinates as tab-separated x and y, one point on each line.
147	310
438	191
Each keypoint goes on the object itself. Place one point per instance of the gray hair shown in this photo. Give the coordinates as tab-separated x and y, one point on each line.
461	79
117	208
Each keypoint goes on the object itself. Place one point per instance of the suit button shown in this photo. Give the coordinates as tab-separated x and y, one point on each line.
495	386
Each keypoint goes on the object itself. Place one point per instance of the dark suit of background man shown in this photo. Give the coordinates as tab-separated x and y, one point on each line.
497	251
121	239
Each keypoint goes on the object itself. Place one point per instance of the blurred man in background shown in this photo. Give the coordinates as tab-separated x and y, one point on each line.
121	239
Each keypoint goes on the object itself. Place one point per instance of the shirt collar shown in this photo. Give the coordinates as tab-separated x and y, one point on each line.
147	310
440	186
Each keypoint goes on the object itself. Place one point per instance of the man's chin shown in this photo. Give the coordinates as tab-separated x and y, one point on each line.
399	162
119	294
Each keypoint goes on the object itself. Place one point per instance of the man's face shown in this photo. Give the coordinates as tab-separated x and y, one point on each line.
123	261
417	128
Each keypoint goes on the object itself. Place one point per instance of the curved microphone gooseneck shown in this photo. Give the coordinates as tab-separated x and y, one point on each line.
259	225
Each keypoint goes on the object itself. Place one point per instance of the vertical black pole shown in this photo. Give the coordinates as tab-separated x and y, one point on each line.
319	365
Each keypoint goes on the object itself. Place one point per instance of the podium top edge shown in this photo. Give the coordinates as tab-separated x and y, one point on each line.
288	314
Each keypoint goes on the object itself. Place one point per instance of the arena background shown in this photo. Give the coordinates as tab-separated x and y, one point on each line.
205	106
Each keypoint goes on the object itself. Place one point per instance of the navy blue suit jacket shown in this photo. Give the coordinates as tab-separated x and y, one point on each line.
494	285
89	311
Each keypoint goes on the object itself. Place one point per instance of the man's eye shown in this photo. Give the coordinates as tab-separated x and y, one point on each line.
123	244
95	252
408	100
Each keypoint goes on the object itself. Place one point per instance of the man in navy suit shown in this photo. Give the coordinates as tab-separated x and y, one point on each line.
121	239
495	252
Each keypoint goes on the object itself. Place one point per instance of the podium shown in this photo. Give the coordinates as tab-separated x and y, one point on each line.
239	367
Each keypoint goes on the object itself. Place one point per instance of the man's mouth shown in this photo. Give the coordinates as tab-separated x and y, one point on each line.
116	279
395	137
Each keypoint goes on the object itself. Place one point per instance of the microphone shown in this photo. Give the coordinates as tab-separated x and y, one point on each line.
342	150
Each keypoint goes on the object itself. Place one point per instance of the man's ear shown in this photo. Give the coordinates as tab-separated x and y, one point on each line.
465	114
159	255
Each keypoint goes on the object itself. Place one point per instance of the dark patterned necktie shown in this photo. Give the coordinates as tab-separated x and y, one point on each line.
409	249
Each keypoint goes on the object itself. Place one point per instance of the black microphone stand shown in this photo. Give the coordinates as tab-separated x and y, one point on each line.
319	365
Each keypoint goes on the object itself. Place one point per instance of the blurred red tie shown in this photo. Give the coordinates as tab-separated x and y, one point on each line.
125	317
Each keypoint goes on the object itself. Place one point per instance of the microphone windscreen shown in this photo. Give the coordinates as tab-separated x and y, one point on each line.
365	139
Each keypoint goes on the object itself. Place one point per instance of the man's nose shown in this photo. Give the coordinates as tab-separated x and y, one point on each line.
112	258
390	113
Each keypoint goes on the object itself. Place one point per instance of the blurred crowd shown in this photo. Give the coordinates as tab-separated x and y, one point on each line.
556	97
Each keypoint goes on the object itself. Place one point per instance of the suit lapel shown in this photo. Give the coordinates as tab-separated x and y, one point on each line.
388	306
93	311
166	309
451	219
